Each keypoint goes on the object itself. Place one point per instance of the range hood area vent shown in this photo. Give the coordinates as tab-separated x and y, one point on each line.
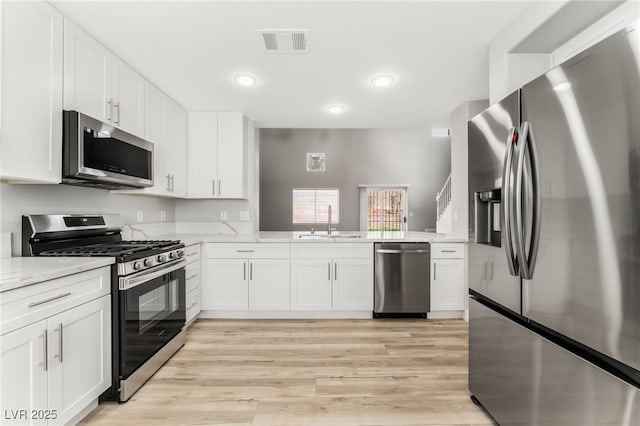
285	41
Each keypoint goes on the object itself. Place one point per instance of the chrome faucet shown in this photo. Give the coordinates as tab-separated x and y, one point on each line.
329	221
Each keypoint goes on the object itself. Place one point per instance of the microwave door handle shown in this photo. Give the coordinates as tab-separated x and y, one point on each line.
506	203
530	145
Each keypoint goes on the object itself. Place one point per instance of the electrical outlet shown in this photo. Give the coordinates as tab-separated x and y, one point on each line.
163	216
140	215
223	215
244	215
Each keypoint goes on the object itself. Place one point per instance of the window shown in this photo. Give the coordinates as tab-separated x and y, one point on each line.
312	205
383	209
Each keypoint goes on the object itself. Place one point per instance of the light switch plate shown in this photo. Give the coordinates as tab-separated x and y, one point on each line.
163	216
223	215
139	216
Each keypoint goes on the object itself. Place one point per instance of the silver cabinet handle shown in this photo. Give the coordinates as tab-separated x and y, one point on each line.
116	108
245	251
168	183
335	271
244	269
448	251
51	299
329	271
213	190
434	270
250	271
219	187
190	277
60	343
173	183
491	271
484	270
110	109
45	344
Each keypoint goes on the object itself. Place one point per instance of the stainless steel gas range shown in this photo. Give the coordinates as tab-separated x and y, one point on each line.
147	287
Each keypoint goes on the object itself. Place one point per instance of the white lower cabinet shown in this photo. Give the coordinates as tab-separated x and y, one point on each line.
353	285
269	284
447	277
332	277
310	285
227	287
57	367
192	287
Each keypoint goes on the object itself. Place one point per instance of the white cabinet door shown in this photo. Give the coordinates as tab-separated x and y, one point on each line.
87	75
80	356
310	285
353	285
31	81
226	286
23	371
155	132
269	284
447	284
128	98
232	155
176	148
202	155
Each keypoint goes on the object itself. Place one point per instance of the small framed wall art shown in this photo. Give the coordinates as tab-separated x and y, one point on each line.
315	162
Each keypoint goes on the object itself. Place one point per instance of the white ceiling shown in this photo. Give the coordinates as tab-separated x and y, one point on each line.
191	50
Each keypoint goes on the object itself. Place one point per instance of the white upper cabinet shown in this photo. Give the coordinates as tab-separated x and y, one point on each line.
98	84
31	88
218	155
166	127
176	148
128	98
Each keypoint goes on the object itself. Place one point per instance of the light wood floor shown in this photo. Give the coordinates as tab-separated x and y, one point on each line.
309	372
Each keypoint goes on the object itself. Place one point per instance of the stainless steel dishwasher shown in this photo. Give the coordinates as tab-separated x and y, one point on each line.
402	274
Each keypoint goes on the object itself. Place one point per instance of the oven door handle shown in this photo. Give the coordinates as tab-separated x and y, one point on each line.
126	283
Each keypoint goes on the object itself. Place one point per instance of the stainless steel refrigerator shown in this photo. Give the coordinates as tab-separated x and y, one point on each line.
554	266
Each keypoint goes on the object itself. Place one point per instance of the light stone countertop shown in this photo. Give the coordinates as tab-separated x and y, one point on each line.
293	237
17	272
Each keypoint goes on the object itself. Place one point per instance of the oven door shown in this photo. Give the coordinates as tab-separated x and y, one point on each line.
152	312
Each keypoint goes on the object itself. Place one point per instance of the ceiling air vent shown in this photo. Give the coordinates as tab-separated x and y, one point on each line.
285	41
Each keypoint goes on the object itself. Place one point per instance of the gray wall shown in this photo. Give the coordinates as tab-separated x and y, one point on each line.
16	200
353	157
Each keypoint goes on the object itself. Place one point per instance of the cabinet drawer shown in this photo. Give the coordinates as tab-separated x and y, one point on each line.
193	303
447	251
27	305
193	276
332	251
247	251
192	253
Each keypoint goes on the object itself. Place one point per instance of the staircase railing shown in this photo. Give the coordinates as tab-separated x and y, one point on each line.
443	198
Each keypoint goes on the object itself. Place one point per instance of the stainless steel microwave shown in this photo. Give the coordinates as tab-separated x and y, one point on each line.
96	154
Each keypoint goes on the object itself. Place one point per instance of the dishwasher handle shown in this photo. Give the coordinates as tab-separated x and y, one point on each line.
387	251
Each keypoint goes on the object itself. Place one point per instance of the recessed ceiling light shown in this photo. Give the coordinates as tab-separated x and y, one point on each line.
245	80
382	80
335	109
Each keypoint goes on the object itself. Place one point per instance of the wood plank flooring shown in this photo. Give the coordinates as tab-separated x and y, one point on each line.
309	373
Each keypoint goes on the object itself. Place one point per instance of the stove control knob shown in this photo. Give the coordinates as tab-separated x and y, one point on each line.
173	255
148	262
137	265
162	258
180	253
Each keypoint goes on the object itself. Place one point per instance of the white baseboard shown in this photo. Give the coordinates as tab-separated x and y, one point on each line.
445	315
287	314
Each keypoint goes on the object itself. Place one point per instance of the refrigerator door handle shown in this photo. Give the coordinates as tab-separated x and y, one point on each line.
506	203
527	262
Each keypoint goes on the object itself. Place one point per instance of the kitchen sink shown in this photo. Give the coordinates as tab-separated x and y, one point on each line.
325	236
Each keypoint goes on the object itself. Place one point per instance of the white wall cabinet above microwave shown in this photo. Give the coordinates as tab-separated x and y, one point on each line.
99	84
166	128
31	87
218	155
